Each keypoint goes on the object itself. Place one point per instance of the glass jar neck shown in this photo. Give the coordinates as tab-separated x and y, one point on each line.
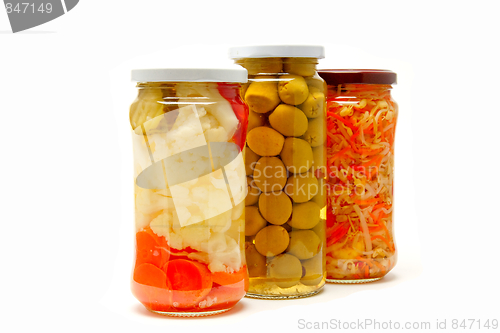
356	87
275	65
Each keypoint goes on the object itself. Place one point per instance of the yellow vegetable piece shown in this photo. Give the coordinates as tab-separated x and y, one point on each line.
146	106
302	187
285	270
275	207
270	174
288	120
292	89
271	240
297	155
265	141
304	244
316	132
262	96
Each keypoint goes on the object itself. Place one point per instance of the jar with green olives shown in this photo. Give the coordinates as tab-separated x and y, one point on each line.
285	168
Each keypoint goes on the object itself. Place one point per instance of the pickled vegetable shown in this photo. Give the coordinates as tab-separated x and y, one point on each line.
288	120
361	125
285	270
305	215
270	174
189	229
271	240
297	155
253	221
262	96
275	207
251	159
304	244
283	176
302	187
293	89
265	141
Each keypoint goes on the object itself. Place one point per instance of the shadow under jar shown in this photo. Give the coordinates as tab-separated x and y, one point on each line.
188	131
285	168
361	124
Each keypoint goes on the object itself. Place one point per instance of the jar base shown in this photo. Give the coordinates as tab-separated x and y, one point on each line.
352	281
190	314
265	296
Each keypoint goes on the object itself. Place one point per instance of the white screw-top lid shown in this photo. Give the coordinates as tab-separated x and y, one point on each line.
270	51
236	75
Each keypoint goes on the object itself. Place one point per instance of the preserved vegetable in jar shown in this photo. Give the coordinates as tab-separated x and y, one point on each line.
361	124
188	133
285	166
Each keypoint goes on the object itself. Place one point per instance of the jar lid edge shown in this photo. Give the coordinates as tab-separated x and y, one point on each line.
360	76
271	51
237	75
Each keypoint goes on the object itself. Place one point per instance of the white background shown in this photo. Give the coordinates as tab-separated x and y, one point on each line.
66	243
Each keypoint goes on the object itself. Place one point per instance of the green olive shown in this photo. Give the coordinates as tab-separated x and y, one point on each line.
288	120
302	187
320	230
270	174
314	269
292	89
256	262
304	244
314	105
253	193
251	159
263	65
275	207
272	240
253	221
297	155
299	67
316	82
305	215
320	197
265	141
316	132
319	159
285	270
262	96
255	120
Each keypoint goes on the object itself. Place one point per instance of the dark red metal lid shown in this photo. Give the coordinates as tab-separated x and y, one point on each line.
361	76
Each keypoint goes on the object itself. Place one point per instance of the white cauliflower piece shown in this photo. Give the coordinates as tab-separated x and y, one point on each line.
228	260
142	220
221	222
220	109
237	228
148	202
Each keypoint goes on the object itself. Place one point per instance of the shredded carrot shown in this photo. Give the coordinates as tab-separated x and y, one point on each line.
351	141
383	239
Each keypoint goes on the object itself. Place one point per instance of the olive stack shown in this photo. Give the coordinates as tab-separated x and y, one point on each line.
284	160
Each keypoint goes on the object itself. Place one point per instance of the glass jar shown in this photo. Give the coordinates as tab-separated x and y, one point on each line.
361	122
188	132
285	164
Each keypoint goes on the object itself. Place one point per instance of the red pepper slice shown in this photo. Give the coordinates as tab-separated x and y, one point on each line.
337	232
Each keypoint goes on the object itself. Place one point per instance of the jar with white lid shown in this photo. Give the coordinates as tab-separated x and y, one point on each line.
285	162
188	131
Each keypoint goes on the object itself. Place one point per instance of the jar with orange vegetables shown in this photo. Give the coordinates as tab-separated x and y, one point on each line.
361	124
188	131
